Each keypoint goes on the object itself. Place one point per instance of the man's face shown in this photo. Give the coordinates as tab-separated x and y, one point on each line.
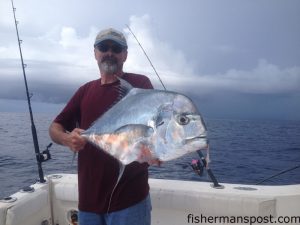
110	57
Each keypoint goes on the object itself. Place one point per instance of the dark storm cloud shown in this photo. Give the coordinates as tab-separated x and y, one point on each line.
234	57
40	91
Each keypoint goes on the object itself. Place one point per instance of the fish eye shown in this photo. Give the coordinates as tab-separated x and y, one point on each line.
183	120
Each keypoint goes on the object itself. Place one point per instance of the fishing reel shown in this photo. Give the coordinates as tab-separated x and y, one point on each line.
197	167
45	155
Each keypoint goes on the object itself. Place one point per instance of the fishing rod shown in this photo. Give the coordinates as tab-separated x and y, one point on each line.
202	158
209	171
46	154
277	174
147	57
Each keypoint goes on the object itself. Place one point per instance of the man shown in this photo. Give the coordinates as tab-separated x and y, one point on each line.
97	171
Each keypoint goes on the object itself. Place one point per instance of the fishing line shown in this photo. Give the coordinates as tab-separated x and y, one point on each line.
147	57
277	174
203	160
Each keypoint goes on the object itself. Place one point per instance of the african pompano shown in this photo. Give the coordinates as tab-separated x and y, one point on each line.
149	125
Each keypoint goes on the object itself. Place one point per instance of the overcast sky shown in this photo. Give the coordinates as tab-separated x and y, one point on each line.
234	58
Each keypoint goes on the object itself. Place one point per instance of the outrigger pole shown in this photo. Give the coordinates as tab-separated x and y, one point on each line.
46	155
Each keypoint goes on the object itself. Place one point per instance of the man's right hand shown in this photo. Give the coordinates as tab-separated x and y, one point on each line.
73	139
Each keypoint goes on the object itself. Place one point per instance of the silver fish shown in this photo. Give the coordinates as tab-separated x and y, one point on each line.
149	125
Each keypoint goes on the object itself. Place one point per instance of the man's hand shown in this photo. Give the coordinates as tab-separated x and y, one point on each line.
73	139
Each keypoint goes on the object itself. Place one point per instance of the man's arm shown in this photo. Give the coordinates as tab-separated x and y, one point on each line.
73	140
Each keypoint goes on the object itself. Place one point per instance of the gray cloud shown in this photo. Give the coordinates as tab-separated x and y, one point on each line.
223	54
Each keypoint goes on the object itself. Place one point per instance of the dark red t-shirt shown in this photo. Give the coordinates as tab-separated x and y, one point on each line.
97	171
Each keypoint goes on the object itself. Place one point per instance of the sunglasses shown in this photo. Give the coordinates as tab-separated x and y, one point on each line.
115	48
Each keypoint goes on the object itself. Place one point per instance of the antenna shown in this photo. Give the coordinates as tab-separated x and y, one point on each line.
39	157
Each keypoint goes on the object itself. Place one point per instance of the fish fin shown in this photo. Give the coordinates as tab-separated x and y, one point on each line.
140	138
121	171
146	152
123	89
126	89
125	84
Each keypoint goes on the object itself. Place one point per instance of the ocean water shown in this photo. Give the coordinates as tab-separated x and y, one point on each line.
241	151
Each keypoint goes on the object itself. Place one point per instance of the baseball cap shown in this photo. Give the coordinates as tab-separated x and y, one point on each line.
111	34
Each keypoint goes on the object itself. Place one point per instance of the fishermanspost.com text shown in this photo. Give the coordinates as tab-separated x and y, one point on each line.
196	219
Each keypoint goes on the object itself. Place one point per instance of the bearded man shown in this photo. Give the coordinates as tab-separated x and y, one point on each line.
100	202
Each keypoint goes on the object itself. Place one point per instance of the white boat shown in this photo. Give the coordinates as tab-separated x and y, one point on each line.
174	202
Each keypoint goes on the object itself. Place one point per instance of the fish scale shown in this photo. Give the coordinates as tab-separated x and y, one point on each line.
165	123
